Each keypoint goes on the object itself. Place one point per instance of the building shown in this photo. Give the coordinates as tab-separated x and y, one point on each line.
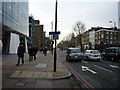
38	34
31	30
119	14
85	40
100	38
15	27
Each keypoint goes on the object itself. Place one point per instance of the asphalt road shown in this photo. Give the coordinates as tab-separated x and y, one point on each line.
94	74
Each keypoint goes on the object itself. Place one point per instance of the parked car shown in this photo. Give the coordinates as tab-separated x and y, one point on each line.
112	53
92	55
73	54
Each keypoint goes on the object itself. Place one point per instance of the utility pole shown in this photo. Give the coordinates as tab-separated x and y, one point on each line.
55	54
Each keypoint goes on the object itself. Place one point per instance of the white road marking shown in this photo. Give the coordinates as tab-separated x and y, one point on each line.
103	68
85	62
84	68
113	66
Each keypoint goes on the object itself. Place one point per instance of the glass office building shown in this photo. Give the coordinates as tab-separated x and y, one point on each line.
15	24
31	30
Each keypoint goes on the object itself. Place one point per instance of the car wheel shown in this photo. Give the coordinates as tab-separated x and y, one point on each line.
98	60
68	59
80	60
87	58
102	58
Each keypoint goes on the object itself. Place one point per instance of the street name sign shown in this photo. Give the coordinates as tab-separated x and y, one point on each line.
54	33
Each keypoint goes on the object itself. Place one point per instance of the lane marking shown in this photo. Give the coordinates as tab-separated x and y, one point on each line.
103	68
113	66
84	68
85	62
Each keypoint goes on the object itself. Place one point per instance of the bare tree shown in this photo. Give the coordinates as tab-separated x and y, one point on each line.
78	29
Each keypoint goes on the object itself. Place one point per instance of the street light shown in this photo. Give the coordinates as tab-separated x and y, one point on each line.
114	27
114	23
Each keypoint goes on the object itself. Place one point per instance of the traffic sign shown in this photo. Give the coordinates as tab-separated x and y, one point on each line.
54	33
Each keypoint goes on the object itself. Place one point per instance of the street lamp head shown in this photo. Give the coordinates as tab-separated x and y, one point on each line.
110	21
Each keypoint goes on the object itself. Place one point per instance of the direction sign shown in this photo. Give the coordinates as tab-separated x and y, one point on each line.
54	33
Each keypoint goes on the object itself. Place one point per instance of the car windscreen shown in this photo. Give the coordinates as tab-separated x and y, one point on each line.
118	50
95	52
75	51
111	50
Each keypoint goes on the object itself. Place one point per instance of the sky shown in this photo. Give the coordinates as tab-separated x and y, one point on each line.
92	13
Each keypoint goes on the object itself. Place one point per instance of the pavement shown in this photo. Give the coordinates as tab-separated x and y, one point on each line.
39	71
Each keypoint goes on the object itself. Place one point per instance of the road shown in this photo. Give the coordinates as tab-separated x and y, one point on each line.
94	74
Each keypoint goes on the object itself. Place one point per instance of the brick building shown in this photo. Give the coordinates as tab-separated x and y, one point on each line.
100	38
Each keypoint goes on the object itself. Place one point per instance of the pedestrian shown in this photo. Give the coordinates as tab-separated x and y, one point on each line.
34	52
45	51
20	53
30	52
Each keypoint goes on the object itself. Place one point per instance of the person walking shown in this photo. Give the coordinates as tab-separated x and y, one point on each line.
30	52
34	52
45	51
20	53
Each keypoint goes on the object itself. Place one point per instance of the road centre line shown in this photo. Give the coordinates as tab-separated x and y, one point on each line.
85	62
113	66
103	68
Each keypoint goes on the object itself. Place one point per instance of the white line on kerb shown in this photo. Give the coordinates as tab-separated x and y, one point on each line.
103	68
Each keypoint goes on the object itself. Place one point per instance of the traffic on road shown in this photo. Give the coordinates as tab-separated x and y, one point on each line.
93	73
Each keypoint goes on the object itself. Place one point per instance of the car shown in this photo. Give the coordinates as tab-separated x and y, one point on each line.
112	54
92	55
73	54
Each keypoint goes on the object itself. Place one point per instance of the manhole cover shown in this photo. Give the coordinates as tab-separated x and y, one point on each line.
20	84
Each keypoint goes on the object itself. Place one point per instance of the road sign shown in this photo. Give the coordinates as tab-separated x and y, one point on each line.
55	37
54	33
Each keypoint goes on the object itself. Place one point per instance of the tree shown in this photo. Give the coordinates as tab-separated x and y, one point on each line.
78	29
67	41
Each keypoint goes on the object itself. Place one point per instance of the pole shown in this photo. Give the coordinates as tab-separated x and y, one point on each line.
52	37
55	54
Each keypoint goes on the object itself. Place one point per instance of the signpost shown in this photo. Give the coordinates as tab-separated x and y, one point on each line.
55	33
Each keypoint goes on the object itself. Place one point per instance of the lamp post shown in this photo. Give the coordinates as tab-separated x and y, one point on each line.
55	54
114	23
114	26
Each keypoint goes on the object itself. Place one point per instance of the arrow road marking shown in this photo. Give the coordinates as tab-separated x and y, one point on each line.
84	68
113	66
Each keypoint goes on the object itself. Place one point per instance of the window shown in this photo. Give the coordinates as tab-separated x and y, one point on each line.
107	37
111	37
111	42
102	35
107	32
111	33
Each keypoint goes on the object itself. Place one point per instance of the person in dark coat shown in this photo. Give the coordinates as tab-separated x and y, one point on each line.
20	53
34	52
30	52
45	51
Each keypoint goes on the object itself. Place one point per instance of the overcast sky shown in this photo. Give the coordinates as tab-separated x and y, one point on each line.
92	13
